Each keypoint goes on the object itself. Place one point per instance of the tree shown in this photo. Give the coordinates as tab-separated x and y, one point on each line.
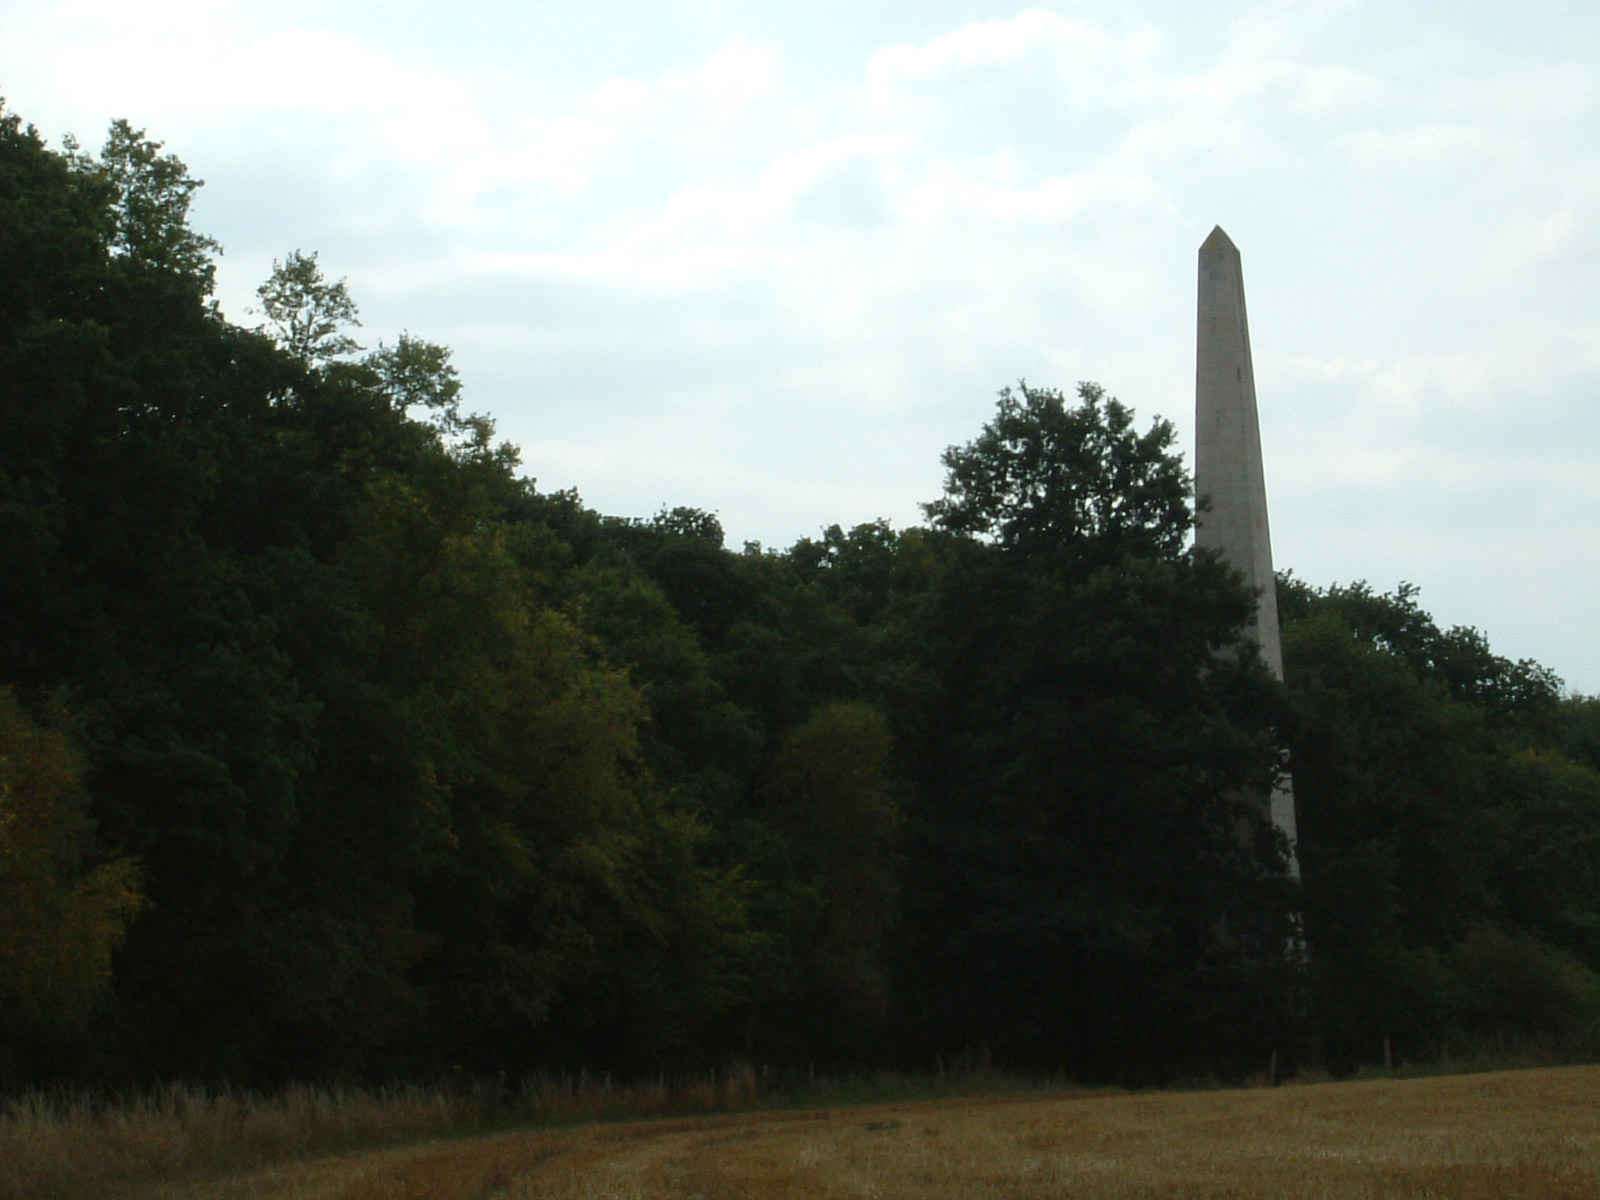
558	888
63	909
1394	839
416	374
1522	694
149	194
1447	839
1081	865
386	799
309	316
832	796
1044	477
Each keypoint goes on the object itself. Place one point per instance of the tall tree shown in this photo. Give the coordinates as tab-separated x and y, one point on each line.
1082	867
307	314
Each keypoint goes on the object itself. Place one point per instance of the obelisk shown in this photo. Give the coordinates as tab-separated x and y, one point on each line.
1227	466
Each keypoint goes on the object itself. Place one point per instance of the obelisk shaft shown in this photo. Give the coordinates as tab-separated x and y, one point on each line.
1227	462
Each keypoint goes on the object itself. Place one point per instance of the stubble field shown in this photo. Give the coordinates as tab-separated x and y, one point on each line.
1524	1134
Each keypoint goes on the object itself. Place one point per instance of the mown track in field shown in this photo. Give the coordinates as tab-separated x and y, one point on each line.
1525	1134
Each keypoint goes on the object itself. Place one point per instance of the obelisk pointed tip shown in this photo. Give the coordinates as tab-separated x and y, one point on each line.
1218	241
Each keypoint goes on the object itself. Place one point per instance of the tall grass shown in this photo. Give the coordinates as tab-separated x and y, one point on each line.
76	1144
56	1145
60	1144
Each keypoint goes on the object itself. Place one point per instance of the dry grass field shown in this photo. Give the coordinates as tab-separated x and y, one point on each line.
1521	1135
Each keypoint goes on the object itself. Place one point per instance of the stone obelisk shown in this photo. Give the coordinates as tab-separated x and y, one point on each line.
1227	465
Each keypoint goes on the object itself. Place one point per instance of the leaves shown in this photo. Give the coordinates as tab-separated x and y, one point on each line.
149	194
309	315
62	913
1082	861
1450	865
424	768
833	796
1044	477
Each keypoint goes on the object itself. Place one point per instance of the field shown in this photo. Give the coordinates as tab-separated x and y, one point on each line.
1524	1134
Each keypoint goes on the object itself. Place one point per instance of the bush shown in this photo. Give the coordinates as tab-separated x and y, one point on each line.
1514	983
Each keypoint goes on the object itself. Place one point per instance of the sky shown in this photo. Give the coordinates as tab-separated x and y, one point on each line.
770	260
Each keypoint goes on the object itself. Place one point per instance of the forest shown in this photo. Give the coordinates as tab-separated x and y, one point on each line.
332	747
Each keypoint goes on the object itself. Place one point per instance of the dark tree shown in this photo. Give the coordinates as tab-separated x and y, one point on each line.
1083	885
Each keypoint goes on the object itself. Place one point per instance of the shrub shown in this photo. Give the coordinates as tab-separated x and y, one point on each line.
1514	983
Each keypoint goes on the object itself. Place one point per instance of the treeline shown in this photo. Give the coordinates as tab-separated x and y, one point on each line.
332	747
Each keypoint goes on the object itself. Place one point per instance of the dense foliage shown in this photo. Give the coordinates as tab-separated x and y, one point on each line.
331	746
1448	803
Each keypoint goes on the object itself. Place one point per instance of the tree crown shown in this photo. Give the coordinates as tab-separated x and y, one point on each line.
1044	476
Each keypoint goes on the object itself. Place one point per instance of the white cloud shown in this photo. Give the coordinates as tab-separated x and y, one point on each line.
737	74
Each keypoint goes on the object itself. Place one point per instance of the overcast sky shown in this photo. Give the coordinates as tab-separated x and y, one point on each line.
771	259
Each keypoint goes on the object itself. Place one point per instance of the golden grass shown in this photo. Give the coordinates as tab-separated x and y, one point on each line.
1524	1135
73	1145
70	1146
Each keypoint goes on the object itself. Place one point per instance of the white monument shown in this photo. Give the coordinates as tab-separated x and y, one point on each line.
1227	466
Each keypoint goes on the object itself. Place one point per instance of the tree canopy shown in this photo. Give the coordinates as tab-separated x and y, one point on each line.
332	746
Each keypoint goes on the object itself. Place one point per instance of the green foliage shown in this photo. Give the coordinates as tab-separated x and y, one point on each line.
697	740
833	798
148	196
1514	983
418	374
389	801
1577	726
1083	867
1457	659
62	913
1448	843
529	748
1385	759
1045	477
309	316
424	769
1546	811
